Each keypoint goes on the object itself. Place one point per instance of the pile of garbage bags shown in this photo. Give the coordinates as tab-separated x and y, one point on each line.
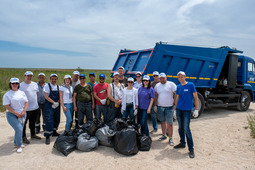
121	134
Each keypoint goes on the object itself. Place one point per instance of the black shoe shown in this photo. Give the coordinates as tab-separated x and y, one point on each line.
36	137
191	154
37	130
47	141
179	146
55	133
26	141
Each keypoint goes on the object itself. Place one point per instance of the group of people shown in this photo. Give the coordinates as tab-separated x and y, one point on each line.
122	98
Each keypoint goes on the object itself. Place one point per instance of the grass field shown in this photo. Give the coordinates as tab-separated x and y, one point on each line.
7	73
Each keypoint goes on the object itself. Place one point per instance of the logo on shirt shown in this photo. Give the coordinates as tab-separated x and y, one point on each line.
103	90
186	90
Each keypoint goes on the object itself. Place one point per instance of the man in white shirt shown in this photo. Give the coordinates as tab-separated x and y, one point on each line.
31	89
165	91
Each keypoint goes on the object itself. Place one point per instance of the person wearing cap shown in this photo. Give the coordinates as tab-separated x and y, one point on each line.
66	100
122	78
165	91
114	93
138	82
41	103
185	93
52	108
31	89
100	94
83	94
75	82
146	95
16	103
92	82
153	113
130	101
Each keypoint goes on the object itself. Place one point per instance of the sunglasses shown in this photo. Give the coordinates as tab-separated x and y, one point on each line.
130	82
82	78
137	76
155	75
15	83
146	80
101	78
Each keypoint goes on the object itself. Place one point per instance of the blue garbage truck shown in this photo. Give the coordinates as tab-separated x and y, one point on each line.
222	76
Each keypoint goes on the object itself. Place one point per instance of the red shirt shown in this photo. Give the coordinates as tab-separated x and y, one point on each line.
101	91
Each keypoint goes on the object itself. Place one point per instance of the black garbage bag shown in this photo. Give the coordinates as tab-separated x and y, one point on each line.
105	136
144	142
120	123
125	141
86	142
66	143
91	126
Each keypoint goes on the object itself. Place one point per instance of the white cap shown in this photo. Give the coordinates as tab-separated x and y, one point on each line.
181	72
76	73
41	74
146	77
28	73
67	76
138	73
14	80
130	79
162	75
53	75
155	73
116	73
121	67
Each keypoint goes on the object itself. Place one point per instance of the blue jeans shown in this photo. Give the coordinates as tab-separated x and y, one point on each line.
101	109
129	112
17	126
183	117
69	116
154	119
143	121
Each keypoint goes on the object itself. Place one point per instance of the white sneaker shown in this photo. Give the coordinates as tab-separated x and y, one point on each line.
19	150
171	143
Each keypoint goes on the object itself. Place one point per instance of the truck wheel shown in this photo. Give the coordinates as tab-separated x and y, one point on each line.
201	104
244	101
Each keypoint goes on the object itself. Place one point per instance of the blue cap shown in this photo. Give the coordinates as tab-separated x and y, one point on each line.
82	75
102	75
92	74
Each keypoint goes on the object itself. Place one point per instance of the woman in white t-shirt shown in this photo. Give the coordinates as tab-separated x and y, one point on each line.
66	92
129	100
16	103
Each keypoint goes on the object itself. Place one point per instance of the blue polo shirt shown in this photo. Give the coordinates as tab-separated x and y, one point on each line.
185	93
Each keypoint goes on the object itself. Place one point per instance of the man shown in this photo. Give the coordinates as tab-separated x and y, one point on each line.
138	83
92	82
41	103
185	93
122	78
153	113
165	91
75	82
100	94
31	89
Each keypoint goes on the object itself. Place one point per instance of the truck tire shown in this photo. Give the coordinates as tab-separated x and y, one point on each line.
201	105
245	101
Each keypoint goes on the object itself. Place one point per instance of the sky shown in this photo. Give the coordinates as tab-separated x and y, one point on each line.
90	33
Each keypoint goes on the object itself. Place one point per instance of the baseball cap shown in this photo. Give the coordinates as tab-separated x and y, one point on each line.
92	74
53	75
146	77
181	72
162	75
102	75
67	76
14	80
76	72
41	74
155	73
121	67
28	73
138	73
82	75
130	79
116	73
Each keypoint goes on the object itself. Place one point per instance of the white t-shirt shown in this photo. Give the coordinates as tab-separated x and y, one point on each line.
137	85
129	98
46	88
16	99
66	94
165	93
117	91
31	91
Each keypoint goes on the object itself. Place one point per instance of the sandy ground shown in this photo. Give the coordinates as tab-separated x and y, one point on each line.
220	142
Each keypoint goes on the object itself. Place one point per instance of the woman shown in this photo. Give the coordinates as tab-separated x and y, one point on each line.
138	82
129	101
16	103
66	100
146	95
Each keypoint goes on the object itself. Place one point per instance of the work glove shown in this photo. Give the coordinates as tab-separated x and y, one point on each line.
175	114
135	112
103	101
195	113
55	105
155	108
122	111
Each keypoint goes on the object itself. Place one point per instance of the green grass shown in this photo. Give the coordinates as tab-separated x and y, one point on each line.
7	73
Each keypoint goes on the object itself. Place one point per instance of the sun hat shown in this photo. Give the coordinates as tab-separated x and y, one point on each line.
155	73
67	76
53	75
41	74
76	73
116	73
130	79
181	72
14	80
162	75
146	77
28	73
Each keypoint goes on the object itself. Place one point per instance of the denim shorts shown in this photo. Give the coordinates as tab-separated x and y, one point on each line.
165	114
